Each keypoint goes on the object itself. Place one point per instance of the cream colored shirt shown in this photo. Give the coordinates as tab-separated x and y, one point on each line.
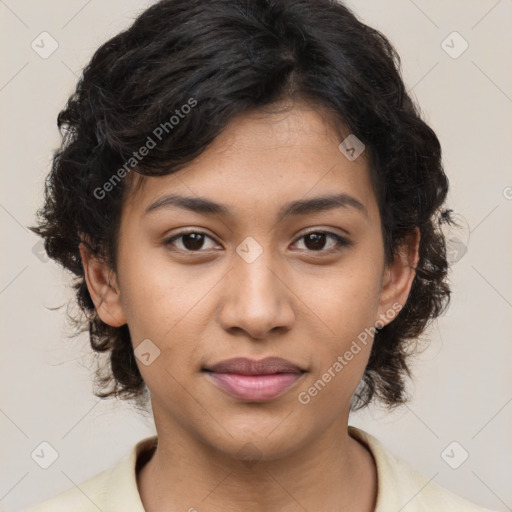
400	487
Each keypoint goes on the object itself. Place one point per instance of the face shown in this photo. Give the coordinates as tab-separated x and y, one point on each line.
272	272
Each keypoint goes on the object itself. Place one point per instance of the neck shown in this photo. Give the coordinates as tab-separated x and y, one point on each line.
334	472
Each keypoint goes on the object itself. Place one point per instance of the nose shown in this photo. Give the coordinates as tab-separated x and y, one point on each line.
256	298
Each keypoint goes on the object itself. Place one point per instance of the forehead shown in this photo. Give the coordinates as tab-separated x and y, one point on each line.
263	159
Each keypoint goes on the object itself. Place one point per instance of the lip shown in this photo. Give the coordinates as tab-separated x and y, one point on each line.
254	380
247	366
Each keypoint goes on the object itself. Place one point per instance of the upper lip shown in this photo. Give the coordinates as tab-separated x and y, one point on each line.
246	366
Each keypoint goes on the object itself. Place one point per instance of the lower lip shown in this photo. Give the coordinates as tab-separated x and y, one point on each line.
255	388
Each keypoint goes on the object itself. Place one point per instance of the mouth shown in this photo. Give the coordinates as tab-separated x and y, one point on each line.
252	380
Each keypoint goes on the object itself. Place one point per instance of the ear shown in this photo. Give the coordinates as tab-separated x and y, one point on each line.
102	284
397	278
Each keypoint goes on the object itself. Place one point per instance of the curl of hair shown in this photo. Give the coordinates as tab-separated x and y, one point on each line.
231	56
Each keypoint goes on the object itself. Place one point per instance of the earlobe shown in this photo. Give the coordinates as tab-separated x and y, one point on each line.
103	288
398	278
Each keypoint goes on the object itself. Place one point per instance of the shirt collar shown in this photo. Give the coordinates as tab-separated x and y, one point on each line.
123	492
124	495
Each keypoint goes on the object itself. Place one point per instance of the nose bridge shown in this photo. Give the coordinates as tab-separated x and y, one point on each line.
254	273
255	297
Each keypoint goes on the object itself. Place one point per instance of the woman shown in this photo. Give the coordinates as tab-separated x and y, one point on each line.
251	204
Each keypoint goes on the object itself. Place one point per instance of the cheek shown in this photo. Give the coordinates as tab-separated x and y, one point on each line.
164	304
349	300
341	356
154	295
347	305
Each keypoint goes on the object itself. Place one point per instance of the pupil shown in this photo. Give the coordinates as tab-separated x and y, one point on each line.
318	240
197	241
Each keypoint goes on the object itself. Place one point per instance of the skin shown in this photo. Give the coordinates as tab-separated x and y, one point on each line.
298	301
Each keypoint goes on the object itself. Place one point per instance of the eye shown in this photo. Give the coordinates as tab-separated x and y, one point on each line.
192	241
315	241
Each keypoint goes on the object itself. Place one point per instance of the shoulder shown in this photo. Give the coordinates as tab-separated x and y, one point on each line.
401	487
113	489
86	497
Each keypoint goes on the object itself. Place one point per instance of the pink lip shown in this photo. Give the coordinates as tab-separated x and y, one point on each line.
255	388
254	380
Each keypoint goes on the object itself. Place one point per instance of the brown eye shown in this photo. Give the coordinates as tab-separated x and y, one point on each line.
191	241
194	241
317	240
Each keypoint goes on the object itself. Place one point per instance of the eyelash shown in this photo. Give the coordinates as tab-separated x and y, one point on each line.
342	241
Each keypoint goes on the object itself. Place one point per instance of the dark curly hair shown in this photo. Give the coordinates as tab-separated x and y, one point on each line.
225	57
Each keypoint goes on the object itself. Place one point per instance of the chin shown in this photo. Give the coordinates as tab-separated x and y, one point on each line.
260	439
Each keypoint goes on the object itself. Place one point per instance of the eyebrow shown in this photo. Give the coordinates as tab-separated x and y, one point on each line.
299	207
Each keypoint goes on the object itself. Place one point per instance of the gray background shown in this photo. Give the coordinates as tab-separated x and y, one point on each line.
463	384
